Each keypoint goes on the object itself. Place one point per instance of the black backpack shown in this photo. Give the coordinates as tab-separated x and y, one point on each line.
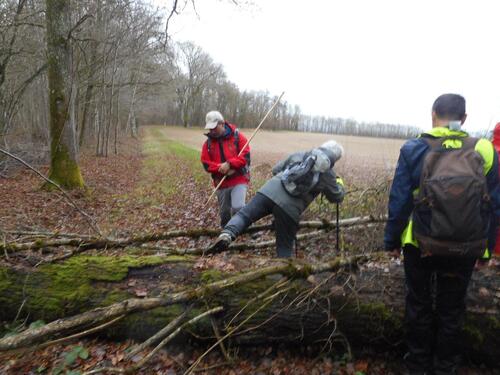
300	178
452	207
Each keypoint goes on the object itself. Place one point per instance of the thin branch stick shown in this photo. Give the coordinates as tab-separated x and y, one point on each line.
165	341
81	334
172	12
89	219
284	281
218	337
160	334
176	332
47	234
195	364
246	144
84	244
270	298
63	339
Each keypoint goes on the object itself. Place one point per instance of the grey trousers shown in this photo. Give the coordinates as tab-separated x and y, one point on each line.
258	207
231	200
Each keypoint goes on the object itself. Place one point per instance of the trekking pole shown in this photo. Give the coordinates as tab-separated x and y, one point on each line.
246	144
337	228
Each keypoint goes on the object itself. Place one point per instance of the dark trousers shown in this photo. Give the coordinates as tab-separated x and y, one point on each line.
435	307
258	207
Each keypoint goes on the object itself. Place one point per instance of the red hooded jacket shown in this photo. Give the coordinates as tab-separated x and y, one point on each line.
496	144
217	150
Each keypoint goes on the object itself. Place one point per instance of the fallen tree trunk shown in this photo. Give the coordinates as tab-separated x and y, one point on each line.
86	243
361	304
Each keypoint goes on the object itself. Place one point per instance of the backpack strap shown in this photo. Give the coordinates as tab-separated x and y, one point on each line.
236	134
469	142
237	139
436	144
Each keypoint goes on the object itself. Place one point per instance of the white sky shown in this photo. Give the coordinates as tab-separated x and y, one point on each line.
371	60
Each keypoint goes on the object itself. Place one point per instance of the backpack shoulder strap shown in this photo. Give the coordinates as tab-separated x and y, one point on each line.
237	139
433	143
437	143
469	142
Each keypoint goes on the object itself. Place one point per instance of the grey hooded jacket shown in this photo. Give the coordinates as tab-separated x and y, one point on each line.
294	206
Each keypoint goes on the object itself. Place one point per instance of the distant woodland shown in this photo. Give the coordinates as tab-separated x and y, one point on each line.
83	73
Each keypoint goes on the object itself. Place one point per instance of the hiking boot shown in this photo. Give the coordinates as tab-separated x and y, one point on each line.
221	244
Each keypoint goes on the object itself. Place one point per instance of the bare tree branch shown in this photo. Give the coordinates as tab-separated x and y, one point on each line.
89	219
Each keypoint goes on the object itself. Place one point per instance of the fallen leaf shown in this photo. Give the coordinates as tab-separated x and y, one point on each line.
141	292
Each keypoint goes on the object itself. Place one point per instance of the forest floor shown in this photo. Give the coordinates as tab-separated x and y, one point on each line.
157	184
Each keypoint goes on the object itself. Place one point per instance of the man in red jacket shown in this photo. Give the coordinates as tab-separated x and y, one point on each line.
219	156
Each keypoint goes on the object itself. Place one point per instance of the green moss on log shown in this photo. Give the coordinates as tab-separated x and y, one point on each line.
210	276
372	321
481	337
55	290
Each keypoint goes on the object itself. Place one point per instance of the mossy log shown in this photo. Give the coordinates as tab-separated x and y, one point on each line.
361	305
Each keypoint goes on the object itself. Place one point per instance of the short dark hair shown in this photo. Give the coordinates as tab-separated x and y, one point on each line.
449	107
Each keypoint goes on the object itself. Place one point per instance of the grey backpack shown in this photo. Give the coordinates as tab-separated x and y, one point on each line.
452	208
300	178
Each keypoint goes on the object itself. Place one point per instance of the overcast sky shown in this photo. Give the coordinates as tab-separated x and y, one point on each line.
383	60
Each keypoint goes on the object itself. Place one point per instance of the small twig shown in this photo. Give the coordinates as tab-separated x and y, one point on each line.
47	234
195	364
53	342
176	332
79	23
160	334
270	299
221	344
314	289
172	12
20	309
276	285
81	334
165	341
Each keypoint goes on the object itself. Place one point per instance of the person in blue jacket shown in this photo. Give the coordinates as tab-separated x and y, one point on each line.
436	285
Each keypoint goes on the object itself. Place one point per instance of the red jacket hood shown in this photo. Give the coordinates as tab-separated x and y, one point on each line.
496	137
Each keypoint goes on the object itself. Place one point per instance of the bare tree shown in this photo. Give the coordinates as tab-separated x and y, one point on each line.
64	167
196	71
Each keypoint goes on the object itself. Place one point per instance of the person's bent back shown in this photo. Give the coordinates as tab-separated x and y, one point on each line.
296	182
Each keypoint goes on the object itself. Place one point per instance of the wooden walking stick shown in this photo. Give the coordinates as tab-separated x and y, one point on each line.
246	144
337	229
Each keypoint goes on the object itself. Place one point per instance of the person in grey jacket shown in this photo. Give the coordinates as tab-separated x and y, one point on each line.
276	198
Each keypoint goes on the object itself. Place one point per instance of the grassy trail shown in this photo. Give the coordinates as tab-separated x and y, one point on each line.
171	189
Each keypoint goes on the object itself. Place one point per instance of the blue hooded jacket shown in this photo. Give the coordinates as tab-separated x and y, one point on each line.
399	231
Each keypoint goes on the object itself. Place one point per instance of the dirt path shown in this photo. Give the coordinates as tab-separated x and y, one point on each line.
269	146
